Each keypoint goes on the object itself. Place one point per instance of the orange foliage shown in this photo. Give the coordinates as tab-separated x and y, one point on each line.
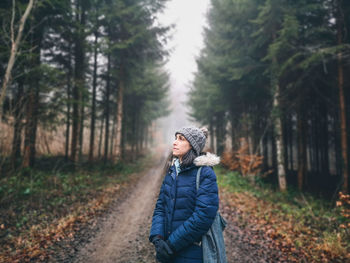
242	161
299	242
344	204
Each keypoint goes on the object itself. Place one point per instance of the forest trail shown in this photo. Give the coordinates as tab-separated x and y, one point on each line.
122	235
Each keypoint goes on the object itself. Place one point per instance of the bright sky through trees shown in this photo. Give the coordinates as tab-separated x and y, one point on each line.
189	18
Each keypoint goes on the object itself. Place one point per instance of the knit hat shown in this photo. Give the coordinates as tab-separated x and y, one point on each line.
195	136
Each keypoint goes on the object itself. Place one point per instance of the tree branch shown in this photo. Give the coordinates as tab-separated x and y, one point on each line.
14	49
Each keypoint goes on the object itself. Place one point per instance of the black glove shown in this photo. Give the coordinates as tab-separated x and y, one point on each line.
155	240
164	252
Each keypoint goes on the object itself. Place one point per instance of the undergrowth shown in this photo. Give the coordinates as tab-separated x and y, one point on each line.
300	221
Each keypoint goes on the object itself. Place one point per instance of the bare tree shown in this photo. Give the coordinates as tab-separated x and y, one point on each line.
15	41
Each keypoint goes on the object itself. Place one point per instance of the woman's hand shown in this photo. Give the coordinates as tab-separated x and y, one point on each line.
156	239
164	252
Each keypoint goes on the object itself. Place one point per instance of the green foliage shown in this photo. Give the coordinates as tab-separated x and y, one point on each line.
302	206
252	45
233	180
41	190
229	66
136	54
254	49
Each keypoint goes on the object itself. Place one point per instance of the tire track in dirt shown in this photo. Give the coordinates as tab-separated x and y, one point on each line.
123	237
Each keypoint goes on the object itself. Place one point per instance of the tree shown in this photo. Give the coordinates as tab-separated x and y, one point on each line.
133	44
94	84
15	42
343	127
272	68
79	78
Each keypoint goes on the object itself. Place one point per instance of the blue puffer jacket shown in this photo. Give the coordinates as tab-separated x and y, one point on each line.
182	215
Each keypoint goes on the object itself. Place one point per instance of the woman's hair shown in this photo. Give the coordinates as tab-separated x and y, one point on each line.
168	163
188	158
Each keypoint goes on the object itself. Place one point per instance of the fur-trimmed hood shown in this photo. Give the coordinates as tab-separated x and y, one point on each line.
209	159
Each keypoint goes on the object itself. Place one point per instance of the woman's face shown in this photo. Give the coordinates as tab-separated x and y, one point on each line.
180	146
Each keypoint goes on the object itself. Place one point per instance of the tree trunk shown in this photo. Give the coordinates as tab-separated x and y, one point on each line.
124	140
108	84
78	79
337	144
233	134
343	128
117	149
324	144
94	87
17	131
265	152
141	134
69	86
112	140
316	128
32	106
301	136
100	138
76	122
285	138
31	125
273	150
291	143
133	139
220	135
93	106
281	171
146	136
211	135
82	120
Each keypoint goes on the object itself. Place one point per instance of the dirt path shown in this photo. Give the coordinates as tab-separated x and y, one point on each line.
123	237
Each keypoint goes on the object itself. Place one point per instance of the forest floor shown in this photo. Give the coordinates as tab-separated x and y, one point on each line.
114	227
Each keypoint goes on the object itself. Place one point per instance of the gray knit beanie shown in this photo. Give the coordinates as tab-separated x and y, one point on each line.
195	136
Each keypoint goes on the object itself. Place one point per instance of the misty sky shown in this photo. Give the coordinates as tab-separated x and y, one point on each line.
187	40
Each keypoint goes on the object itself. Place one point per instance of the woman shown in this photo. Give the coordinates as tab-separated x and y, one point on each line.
182	214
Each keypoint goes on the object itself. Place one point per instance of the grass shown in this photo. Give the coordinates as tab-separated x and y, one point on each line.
303	221
42	205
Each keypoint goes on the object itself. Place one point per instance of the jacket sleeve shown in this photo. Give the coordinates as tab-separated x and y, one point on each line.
158	218
207	204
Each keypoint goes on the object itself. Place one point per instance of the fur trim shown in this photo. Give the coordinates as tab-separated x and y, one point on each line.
209	159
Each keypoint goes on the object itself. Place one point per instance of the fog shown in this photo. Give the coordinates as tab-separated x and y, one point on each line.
189	18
